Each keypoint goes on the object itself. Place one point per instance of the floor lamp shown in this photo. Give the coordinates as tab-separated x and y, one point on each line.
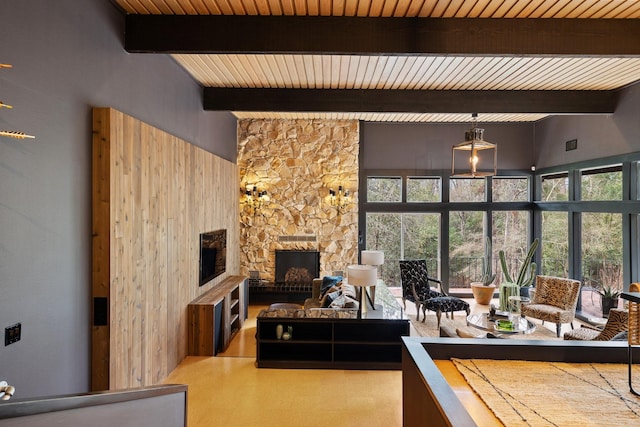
362	276
374	258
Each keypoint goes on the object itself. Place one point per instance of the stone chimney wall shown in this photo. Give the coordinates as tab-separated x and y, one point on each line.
297	162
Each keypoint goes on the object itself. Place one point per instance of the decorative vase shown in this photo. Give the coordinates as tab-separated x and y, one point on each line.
279	330
608	304
481	293
524	291
290	331
286	336
507	290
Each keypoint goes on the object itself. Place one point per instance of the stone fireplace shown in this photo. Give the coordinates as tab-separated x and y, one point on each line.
297	162
295	267
294	274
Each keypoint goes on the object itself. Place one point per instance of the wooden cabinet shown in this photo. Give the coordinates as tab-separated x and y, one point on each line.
233	314
216	316
331	343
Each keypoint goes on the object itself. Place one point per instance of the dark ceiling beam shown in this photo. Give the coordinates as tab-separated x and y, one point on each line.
410	101
370	36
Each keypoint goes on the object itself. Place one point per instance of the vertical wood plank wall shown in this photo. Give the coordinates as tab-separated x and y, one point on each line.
153	194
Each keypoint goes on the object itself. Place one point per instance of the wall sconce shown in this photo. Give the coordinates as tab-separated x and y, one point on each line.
254	199
474	143
339	199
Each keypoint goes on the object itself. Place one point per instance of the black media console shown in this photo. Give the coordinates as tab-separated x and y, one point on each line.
372	342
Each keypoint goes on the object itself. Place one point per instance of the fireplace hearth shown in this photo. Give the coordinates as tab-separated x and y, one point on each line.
294	274
295	267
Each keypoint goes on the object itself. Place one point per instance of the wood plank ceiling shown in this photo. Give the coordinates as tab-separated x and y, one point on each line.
280	58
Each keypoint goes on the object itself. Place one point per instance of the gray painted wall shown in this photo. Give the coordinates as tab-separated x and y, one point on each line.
428	146
67	57
598	136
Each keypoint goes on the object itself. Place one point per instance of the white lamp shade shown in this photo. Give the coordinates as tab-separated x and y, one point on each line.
372	257
362	275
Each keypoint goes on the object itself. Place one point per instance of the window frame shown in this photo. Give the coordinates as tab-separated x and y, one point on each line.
629	207
443	208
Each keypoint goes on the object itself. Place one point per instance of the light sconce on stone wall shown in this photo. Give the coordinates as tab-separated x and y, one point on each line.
254	199
339	199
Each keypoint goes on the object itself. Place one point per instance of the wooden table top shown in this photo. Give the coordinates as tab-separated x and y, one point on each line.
631	296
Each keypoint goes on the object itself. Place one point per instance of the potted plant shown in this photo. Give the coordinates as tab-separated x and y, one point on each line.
519	284
483	291
609	297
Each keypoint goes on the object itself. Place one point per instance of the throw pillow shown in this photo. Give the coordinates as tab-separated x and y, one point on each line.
329	282
350	303
348	290
329	298
343	301
338	302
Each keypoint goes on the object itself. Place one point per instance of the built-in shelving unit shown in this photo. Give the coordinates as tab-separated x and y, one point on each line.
370	342
216	316
233	314
331	343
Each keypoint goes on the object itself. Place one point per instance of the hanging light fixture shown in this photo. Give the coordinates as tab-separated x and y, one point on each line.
474	143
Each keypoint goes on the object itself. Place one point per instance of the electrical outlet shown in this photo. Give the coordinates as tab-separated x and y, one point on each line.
12	333
571	145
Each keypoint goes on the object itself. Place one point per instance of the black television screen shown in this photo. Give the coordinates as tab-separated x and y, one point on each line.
213	255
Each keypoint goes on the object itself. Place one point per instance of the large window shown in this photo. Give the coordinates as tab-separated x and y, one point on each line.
587	225
555	244
384	189
383	234
582	237
602	184
555	187
510	234
406	219
423	189
602	249
510	189
404	236
466	245
466	190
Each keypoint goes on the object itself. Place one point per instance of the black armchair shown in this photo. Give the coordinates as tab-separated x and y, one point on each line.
416	286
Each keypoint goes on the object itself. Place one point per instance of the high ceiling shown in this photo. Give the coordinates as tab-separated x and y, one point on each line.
397	60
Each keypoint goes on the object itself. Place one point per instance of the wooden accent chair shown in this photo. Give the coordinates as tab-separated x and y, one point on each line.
555	300
617	322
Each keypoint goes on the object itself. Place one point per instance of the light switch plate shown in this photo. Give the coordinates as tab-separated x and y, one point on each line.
12	334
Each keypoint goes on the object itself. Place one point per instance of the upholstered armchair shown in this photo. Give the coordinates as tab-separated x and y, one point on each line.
555	300
617	322
416	286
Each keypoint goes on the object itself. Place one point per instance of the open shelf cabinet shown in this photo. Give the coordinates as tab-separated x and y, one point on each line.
331	343
216	316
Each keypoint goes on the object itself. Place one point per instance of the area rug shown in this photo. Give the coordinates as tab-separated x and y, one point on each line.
524	393
429	328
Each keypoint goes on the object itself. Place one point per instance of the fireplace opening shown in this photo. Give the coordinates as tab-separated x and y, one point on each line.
297	267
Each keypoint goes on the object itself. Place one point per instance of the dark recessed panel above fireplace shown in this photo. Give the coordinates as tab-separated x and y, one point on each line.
294	266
